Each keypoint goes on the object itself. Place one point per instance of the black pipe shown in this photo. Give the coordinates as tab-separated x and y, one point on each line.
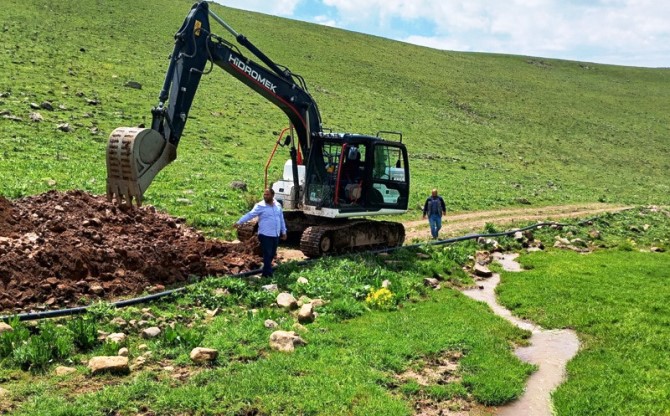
129	302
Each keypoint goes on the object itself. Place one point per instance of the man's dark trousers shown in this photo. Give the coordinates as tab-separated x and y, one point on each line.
269	247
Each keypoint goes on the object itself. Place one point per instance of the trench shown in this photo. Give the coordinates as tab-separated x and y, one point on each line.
550	350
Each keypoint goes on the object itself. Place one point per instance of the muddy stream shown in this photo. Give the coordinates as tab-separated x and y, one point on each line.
550	350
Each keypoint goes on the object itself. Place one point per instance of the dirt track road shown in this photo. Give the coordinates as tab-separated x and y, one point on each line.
462	223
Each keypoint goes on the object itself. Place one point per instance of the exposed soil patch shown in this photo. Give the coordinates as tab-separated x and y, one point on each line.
62	249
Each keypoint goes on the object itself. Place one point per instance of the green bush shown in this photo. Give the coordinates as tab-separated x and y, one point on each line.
84	332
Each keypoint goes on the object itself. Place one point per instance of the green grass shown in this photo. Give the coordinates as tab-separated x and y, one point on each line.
487	130
617	303
348	366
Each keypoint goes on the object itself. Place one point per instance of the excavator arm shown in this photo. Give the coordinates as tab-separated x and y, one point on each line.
136	155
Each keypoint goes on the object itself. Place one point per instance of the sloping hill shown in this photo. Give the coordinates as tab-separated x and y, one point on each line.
488	130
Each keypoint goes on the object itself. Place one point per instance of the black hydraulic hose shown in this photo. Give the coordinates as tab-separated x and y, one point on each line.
31	316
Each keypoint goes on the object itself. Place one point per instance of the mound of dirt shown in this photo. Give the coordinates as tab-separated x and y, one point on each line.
66	249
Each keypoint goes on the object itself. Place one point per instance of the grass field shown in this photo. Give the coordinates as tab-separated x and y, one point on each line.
489	131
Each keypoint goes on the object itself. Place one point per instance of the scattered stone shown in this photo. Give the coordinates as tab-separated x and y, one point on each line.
594	234
270	288
92	102
138	363
287	301
114	364
239	185
46	105
646	227
483	257
36	117
578	242
96	289
204	355
12	118
431	282
34	106
3	392
133	84
423	256
270	324
386	284
5	328
285	341
518	236
306	314
317	303
142	347
653	250
302	281
123	352
152	332
65	127
482	271
63	371
118	338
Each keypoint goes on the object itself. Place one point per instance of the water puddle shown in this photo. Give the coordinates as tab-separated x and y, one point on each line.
550	350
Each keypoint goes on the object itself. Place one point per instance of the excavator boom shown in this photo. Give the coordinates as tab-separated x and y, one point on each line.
136	155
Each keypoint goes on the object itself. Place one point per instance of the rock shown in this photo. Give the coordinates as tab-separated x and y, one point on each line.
306	314
65	127
287	301
318	302
423	256
431	282
46	105
285	341
62	371
3	392
92	102
114	364
578	242
203	355
142	347
482	271
483	257
123	352
270	288
152	332
133	84
302	281
138	363
386	284
96	289
594	234
5	328
118	338
269	323
184	201
118	321
518	236
36	117
653	250
239	185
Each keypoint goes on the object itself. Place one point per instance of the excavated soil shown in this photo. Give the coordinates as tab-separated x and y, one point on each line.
67	249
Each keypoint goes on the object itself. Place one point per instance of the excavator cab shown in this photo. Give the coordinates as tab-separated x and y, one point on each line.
354	175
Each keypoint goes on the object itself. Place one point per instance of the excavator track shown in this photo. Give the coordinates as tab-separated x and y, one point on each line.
355	235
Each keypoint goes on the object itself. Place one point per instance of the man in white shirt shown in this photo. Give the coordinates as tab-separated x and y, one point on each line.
271	227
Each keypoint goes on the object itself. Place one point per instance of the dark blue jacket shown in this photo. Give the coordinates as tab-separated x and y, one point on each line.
431	206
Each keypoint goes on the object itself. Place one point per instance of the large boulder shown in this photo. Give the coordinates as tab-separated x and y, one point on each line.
115	364
285	341
203	355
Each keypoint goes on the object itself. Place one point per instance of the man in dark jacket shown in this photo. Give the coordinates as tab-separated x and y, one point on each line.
434	208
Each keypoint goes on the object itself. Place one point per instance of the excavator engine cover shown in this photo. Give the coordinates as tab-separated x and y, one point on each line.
134	157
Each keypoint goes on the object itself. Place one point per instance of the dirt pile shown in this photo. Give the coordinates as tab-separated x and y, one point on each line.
67	249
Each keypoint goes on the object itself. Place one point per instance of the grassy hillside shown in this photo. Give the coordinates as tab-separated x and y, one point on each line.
488	130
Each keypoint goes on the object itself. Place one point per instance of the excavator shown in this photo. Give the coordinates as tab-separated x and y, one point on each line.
330	184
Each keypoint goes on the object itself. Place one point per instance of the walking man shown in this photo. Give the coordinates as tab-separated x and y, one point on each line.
434	208
271	227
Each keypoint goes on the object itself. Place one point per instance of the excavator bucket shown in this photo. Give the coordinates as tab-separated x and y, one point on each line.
134	157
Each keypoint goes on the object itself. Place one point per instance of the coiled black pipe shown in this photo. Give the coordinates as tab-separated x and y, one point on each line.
31	316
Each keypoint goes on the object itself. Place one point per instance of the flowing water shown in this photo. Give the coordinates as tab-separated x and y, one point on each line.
550	350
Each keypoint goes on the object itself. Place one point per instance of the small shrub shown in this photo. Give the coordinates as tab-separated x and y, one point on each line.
181	336
345	308
84	332
381	299
11	340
